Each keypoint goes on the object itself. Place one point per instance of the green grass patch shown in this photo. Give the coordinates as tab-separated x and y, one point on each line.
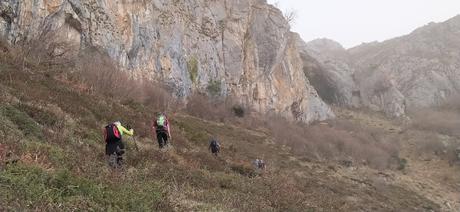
194	131
39	115
23	121
40	190
55	154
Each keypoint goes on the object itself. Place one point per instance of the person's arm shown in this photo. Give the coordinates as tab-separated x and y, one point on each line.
154	128
125	131
104	134
154	124
169	129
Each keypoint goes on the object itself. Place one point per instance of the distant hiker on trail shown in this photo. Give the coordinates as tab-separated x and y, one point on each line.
161	129
114	148
259	164
214	146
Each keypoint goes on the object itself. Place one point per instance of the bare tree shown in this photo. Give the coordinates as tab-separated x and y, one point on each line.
290	15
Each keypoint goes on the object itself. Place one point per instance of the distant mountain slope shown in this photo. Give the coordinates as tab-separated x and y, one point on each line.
421	69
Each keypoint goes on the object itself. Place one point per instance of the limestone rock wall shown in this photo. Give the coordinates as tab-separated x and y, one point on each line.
220	47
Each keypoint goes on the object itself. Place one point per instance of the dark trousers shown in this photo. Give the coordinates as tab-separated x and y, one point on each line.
162	137
215	150
115	150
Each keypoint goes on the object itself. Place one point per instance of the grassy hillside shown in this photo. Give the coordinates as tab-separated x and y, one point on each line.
53	158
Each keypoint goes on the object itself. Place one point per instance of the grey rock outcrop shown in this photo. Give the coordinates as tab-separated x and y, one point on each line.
418	70
421	69
225	47
333	73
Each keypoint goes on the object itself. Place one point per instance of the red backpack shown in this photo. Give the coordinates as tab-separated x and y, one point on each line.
111	133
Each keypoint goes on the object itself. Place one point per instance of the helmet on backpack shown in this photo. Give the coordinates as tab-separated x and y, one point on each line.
111	132
161	120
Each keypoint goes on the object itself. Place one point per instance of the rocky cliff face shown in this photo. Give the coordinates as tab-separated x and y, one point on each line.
225	47
333	75
421	69
418	70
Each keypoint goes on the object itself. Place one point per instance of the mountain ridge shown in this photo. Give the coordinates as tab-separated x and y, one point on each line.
384	72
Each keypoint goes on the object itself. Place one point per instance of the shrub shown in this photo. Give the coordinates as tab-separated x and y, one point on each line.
402	164
214	87
192	66
100	75
437	120
332	142
238	110
201	106
222	110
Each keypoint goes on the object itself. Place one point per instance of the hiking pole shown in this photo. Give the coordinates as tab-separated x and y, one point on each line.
169	141
135	144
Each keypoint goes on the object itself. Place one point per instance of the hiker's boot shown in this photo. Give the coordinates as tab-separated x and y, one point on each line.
112	161
120	161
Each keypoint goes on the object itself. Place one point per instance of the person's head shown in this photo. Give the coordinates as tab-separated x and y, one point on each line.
117	123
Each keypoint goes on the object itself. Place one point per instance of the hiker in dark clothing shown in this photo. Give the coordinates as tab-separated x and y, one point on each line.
259	164
161	129
214	146
115	147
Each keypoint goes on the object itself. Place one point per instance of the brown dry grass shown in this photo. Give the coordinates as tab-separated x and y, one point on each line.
223	110
442	120
337	140
437	120
100	75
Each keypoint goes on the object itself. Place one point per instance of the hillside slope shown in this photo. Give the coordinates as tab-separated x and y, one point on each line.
51	139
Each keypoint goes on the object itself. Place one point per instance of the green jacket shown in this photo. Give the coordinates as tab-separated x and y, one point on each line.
123	130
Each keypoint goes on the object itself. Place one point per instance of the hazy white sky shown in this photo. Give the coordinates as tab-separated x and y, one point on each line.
352	22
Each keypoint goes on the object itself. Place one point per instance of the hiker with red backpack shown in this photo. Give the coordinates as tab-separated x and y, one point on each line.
161	129
114	148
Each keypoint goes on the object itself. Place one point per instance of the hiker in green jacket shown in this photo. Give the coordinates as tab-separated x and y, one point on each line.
161	129
115	148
